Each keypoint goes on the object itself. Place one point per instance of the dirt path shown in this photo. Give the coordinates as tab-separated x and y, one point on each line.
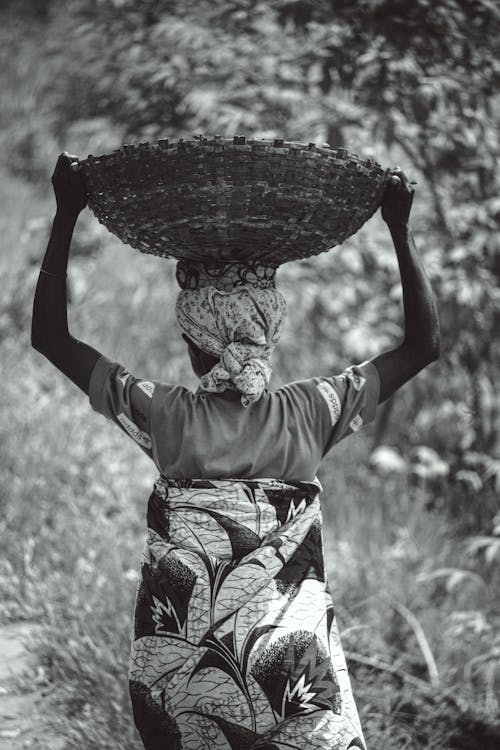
21	713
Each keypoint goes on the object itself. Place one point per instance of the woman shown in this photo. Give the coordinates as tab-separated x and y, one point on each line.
235	642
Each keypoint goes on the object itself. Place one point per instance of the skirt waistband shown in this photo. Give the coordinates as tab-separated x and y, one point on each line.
162	484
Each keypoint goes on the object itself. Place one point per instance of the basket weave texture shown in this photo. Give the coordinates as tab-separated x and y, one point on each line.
216	200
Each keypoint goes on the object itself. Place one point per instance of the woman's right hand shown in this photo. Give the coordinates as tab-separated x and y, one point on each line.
68	185
397	200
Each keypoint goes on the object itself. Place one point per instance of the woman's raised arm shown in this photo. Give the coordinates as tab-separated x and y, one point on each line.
421	343
49	328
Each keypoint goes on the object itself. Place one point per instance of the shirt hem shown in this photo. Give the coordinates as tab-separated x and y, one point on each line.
372	390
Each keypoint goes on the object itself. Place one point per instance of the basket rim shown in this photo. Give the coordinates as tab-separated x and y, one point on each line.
237	143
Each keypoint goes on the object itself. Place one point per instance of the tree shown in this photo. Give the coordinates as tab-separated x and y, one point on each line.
412	82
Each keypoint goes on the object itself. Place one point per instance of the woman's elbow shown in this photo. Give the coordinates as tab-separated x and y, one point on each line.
42	344
427	348
38	341
41	347
433	346
435	351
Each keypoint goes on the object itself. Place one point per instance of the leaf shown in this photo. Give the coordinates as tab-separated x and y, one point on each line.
192	529
492	552
490	545
428	464
388	460
453	577
219	655
154	660
163	597
250	641
471	478
151	718
296	674
238	737
307	560
243	540
244	582
493	470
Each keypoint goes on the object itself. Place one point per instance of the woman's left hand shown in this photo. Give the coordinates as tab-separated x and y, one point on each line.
68	185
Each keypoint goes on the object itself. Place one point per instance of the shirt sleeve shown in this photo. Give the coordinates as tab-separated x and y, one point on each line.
348	401
124	399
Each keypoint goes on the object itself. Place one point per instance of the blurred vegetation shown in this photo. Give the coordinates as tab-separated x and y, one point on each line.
412	505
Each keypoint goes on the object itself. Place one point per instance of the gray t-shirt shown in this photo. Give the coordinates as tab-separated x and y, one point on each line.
284	435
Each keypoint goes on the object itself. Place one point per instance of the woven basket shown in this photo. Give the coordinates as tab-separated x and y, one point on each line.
217	200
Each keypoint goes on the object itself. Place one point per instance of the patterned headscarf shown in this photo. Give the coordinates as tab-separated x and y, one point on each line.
240	326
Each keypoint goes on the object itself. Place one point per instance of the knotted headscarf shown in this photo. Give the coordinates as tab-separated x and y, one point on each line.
241	327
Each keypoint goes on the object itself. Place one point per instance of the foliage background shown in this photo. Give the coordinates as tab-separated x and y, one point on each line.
411	506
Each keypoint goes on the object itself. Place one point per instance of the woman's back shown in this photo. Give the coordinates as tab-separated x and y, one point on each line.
284	435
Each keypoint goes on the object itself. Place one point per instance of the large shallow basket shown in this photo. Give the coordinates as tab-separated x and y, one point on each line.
216	199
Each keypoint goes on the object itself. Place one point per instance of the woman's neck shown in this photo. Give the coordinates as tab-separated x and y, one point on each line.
228	395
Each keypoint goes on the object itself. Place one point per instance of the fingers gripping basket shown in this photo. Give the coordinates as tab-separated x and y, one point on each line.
218	200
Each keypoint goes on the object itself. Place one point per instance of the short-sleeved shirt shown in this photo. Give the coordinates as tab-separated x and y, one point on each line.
284	435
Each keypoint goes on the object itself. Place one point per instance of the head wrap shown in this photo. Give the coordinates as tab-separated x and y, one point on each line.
240	326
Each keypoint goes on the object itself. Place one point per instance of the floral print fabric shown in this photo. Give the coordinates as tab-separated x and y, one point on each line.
235	644
192	274
241	327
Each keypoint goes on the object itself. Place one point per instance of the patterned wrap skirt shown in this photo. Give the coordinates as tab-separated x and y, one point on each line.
235	644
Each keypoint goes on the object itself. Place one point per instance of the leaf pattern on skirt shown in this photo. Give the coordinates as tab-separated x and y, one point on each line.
296	674
235	641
